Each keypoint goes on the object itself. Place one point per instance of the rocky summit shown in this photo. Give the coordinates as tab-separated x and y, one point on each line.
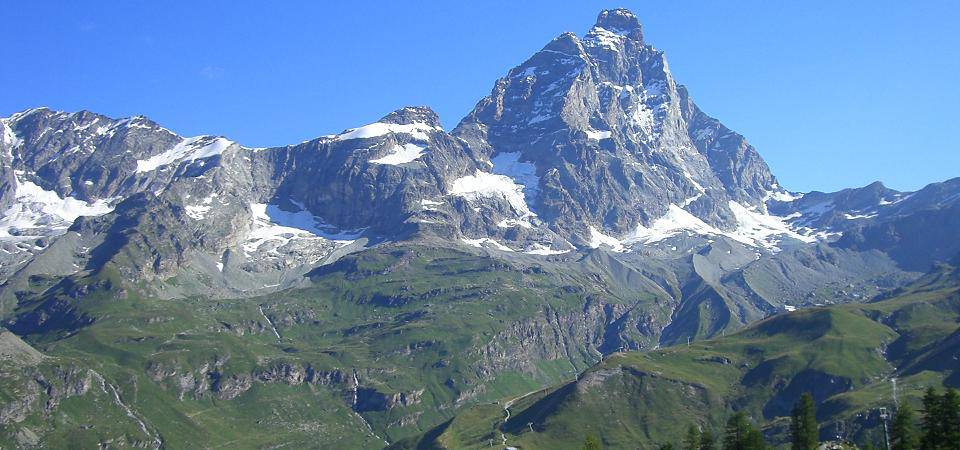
385	284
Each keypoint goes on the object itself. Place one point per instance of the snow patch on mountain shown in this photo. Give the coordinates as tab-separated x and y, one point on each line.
762	230
811	213
675	221
111	128
9	137
38	212
543	250
485	243
849	216
272	228
642	117
897	199
521	172
754	228
430	205
482	185
601	37
189	149
199	211
270	222
597	135
693	182
597	239
781	195
419	131
400	154
687	201
510	223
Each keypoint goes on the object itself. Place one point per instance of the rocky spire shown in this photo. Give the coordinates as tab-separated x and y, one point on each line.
622	22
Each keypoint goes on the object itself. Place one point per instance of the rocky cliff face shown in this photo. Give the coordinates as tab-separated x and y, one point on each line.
590	137
613	139
589	143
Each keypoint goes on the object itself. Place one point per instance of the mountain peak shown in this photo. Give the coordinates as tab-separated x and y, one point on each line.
620	21
413	114
566	43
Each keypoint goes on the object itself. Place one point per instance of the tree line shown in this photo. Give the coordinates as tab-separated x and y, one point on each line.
938	428
740	434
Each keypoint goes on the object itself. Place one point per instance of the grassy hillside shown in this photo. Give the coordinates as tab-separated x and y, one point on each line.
845	355
400	340
382	345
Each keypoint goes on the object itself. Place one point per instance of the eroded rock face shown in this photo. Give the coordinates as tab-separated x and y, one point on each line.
369	399
579	337
211	379
45	391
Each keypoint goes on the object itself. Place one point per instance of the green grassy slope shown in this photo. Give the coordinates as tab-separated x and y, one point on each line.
845	355
384	344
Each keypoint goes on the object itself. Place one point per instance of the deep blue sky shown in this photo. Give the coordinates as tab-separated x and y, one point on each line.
832	94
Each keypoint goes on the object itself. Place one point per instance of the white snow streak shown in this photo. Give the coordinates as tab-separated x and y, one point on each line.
9	138
479	243
754	228
597	239
272	326
400	154
597	134
543	250
419	131
189	149
675	221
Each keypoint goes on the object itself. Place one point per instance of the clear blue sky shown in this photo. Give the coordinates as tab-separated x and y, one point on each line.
833	94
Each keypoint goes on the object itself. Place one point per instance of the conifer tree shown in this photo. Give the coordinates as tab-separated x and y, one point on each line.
931	425
950	419
692	441
804	434
755	440
741	435
707	441
903	433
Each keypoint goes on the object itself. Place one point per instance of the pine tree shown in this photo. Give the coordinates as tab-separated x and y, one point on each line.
931	425
667	446
903	433
692	441
741	435
735	432
803	426
707	441
754	440
591	442
950	419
